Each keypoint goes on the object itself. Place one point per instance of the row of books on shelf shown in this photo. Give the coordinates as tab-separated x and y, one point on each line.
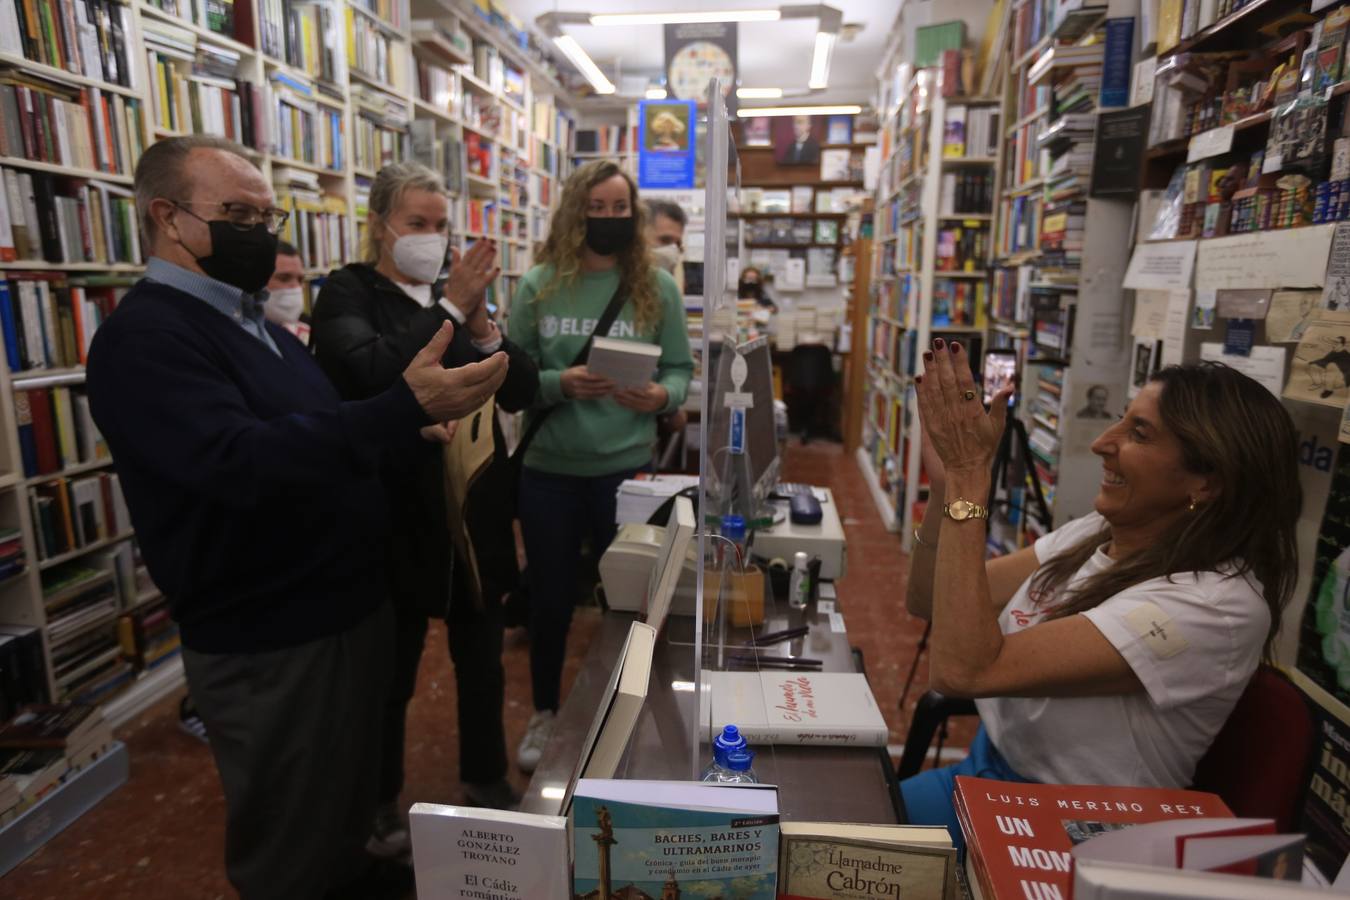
373	52
605	139
970	131
801	199
792	231
23	667
551	124
480	156
83	37
188	99
480	217
52	218
378	142
437	86
483	114
302	128
82	127
72	513
49	320
966	191
1032	21
303	35
1019	226
961	248
318	226
56	430
440	152
514	225
44	745
959	303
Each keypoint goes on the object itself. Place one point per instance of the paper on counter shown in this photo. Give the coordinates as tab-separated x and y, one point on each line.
1265	365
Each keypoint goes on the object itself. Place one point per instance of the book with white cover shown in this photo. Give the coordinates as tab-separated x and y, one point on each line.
629	364
669	563
777	707
1121	881
473	852
618	710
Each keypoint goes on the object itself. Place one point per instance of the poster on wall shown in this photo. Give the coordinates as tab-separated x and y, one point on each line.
696	53
666	144
1324	634
797	139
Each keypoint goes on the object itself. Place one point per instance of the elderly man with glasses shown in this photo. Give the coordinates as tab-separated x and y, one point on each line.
255	495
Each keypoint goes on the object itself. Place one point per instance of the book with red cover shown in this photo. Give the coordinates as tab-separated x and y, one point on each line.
1019	836
44	431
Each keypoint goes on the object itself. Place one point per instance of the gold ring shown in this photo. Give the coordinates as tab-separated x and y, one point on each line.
970	395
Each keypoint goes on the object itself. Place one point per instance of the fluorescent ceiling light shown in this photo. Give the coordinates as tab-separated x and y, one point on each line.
750	112
759	93
820	62
572	50
687	18
656	93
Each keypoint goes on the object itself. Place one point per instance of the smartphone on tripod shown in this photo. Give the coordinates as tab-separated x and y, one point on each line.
1000	370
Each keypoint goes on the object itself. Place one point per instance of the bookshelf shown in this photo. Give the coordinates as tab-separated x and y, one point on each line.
933	226
322	94
1058	259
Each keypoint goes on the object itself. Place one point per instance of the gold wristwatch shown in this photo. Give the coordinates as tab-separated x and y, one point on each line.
961	509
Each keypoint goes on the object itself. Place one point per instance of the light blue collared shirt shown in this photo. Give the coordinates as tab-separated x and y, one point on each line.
226	299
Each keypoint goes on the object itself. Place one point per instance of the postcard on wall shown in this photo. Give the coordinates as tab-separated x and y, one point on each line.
1243	304
1320	372
1336	289
834	165
1150	313
1265	364
1289	314
1205	302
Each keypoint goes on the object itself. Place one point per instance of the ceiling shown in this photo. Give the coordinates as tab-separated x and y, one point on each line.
772	54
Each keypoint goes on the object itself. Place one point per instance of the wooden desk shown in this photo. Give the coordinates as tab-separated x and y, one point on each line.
831	784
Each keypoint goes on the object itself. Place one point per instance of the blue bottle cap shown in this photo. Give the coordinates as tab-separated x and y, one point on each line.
733	527
730	739
739	760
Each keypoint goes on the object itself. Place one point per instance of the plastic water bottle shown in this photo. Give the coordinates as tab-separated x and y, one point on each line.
734	768
729	741
799	585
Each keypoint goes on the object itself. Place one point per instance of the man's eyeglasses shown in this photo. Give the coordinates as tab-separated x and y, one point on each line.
242	216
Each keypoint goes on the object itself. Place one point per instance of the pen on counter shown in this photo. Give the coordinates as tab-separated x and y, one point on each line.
775	662
778	637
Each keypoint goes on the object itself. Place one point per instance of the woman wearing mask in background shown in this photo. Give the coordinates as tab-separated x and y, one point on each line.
595	436
751	287
369	322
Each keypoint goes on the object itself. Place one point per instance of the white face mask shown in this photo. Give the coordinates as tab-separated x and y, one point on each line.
285	305
667	256
420	256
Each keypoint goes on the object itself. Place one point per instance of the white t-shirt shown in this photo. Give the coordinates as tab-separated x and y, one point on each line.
1193	641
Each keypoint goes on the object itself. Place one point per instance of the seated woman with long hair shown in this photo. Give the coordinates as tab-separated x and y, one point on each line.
1113	650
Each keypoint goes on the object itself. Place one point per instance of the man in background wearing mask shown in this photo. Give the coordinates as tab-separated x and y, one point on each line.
285	304
665	236
255	496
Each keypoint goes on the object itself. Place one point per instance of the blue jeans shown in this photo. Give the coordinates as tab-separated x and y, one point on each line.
556	512
928	795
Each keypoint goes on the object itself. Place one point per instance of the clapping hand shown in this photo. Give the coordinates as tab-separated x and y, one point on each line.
470	274
649	399
963	437
446	394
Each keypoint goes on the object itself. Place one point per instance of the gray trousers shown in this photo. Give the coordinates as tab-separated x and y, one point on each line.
295	735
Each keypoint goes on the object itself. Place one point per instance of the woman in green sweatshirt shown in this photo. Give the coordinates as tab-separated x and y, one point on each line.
596	436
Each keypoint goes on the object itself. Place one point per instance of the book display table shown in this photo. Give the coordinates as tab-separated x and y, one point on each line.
823	784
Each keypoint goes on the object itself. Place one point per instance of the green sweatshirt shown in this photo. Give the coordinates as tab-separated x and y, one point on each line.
593	437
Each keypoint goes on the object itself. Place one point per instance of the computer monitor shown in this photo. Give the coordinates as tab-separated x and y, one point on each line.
740	482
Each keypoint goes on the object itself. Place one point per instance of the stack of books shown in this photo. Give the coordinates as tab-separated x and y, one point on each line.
42	746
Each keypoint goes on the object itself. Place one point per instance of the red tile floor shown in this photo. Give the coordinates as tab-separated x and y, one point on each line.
161	834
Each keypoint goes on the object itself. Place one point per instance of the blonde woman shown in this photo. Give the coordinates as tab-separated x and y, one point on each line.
595	436
369	319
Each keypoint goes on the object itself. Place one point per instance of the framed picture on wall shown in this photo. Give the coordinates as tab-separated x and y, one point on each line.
755	132
797	140
839	130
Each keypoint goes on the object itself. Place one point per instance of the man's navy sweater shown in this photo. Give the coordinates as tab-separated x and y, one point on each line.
254	491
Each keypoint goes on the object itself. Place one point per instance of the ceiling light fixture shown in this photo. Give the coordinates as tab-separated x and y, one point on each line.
759	93
687	18
657	93
572	50
750	112
820	61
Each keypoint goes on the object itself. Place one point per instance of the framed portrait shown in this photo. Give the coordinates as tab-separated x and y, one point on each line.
797	140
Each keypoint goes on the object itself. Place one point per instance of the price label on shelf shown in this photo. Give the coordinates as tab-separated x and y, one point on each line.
1214	142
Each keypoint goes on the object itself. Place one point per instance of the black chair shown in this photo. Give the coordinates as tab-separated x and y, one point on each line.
930	718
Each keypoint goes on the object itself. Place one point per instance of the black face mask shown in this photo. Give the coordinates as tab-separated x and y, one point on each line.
750	289
610	235
242	259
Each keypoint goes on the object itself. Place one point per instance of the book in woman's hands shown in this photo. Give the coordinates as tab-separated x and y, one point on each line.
629	364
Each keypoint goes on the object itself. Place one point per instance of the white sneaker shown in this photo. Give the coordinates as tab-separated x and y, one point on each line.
536	739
